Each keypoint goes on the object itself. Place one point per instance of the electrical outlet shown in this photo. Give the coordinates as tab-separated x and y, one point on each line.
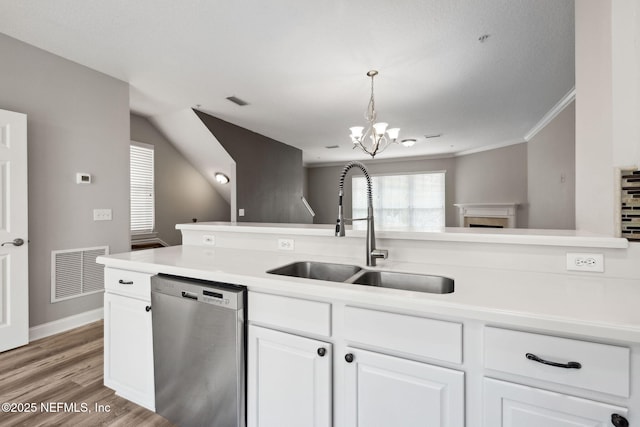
285	244
240	212
585	262
102	214
209	240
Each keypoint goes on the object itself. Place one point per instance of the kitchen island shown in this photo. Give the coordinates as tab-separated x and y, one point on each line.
447	359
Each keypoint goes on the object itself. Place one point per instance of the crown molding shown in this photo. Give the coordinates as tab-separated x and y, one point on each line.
489	147
551	114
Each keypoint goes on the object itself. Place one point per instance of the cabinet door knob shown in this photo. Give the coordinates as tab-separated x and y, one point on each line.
322	351
348	357
619	420
147	308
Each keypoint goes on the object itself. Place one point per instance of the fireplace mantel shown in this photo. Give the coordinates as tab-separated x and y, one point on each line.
506	211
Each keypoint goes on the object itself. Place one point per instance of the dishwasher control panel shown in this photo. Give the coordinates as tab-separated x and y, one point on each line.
215	293
214	297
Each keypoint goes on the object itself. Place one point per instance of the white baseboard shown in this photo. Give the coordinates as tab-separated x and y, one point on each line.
64	324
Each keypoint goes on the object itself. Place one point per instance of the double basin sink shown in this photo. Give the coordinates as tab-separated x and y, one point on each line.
356	275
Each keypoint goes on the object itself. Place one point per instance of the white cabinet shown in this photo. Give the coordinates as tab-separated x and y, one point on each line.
514	405
290	377
387	391
128	340
290	380
552	362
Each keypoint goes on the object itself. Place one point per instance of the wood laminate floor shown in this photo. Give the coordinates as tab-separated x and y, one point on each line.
58	381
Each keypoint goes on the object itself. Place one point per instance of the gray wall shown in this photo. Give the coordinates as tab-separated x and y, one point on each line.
494	176
77	121
551	173
269	173
182	193
498	175
323	185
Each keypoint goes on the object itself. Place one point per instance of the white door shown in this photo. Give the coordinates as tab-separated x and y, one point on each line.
514	405
387	391
14	283
289	380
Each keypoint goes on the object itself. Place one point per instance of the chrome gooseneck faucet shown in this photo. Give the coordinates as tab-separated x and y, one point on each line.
372	253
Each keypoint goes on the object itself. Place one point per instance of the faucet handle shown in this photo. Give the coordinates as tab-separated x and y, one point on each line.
380	253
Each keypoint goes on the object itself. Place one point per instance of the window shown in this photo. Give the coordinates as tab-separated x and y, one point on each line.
412	201
142	192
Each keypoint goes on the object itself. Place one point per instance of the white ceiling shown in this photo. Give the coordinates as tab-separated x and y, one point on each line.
302	64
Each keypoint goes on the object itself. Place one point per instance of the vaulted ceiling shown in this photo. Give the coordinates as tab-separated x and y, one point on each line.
301	65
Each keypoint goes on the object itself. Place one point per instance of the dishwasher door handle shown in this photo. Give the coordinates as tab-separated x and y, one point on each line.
189	295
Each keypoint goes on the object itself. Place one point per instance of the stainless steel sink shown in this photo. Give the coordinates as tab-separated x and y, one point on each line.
317	270
405	281
353	274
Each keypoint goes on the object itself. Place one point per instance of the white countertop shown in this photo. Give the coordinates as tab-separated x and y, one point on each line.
589	306
518	236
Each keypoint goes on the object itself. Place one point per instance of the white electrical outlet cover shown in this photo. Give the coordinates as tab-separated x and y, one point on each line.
286	244
585	262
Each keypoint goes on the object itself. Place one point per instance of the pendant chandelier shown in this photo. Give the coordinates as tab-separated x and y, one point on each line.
376	138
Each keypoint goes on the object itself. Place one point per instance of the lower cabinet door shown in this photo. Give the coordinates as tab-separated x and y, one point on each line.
128	349
514	405
289	380
386	391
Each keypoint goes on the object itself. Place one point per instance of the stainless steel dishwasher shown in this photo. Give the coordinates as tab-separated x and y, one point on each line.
199	333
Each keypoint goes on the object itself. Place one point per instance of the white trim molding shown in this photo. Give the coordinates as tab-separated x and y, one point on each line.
551	114
65	324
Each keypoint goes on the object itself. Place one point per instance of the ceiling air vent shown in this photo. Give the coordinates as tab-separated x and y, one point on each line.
237	101
433	135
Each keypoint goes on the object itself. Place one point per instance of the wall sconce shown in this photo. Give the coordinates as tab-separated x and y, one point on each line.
221	178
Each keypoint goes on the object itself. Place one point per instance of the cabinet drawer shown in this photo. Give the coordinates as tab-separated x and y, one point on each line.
604	368
292	314
434	339
129	283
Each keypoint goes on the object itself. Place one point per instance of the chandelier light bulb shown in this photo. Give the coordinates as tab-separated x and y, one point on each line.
356	132
393	133
380	128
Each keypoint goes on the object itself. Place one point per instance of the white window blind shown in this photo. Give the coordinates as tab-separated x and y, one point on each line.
142	191
401	202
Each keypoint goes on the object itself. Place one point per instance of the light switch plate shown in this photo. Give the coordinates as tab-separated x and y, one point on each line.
102	215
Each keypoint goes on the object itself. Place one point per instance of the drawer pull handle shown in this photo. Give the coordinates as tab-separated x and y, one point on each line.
125	282
147	308
619	421
568	365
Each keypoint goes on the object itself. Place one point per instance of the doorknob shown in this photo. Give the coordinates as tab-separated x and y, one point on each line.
15	242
